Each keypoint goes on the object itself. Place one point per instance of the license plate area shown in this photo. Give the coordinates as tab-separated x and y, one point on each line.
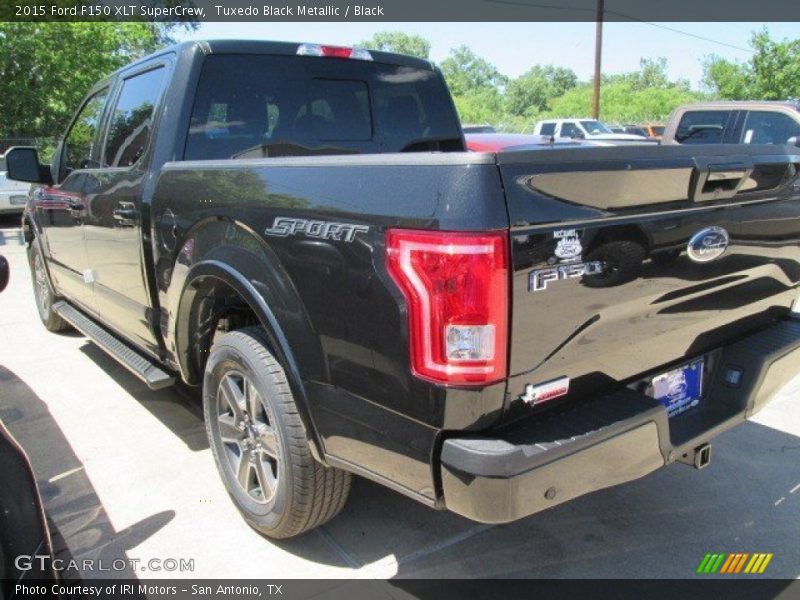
18	200
678	389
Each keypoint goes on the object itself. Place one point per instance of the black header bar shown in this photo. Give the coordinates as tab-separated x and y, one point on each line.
399	10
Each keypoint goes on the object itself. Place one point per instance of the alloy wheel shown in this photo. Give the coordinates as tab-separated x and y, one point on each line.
248	437
40	279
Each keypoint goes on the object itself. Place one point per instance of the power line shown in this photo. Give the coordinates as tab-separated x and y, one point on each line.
622	16
674	30
545	6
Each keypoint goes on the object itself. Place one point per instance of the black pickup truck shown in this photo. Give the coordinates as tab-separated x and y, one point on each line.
299	230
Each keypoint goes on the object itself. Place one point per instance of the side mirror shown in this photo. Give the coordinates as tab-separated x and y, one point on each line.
22	164
794	141
5	273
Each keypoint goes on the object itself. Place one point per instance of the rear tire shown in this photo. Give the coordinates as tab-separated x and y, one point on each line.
259	442
43	291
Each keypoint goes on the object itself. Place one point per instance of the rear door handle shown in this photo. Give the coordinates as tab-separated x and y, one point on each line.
717	181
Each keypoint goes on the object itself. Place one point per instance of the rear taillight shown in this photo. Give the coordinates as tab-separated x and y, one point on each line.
333	51
456	288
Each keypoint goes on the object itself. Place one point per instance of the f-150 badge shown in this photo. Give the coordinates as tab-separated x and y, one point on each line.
538	279
325	230
569	246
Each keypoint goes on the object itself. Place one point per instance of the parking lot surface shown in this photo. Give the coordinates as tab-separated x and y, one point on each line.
126	472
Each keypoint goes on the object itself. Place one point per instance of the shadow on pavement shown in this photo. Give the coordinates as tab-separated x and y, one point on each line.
747	500
657	527
69	497
179	408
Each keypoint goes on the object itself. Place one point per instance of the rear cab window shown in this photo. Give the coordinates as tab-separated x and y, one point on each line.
703	126
300	106
769	127
569	130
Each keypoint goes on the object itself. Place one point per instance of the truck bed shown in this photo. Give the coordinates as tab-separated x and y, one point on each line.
596	332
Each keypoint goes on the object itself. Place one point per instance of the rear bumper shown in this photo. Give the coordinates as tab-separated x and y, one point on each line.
611	439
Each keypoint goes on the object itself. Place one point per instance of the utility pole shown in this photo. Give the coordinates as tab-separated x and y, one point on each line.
598	51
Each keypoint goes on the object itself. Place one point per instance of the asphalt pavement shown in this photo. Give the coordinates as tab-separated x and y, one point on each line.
126	473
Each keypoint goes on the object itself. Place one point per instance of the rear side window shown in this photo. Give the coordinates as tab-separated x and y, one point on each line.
79	142
568	130
253	106
132	120
703	127
765	127
548	128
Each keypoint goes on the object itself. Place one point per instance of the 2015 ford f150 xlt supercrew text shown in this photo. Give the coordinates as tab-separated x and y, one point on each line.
299	230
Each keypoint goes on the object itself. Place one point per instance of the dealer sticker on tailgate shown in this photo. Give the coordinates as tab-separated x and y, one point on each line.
680	389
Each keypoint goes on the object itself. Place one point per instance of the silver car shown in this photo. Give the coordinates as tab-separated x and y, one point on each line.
13	194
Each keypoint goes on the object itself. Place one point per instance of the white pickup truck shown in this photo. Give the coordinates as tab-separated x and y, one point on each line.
585	129
13	194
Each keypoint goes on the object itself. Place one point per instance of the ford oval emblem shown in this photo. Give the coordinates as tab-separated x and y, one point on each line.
708	244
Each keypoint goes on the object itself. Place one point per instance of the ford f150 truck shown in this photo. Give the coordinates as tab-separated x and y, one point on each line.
299	230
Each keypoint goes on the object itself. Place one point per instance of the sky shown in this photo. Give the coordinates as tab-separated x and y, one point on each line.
515	47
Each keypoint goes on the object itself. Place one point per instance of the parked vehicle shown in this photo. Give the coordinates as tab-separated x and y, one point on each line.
499	142
735	122
590	129
23	526
303	234
5	273
654	131
631	129
13	194
478	129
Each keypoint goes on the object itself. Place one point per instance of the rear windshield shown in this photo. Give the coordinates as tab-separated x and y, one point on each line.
253	106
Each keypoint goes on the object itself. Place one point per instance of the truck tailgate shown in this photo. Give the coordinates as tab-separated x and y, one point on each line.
631	258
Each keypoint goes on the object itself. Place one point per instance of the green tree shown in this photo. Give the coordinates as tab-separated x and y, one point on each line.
398	42
652	73
483	105
467	72
622	102
727	80
645	95
772	73
47	68
476	85
531	92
